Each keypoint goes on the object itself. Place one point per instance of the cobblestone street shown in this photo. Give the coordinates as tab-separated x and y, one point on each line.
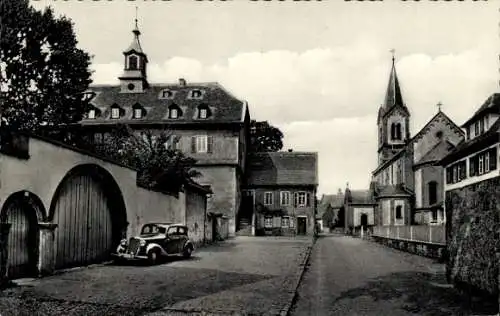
246	273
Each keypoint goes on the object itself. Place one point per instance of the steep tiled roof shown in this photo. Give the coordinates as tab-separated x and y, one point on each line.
491	105
440	150
223	106
334	200
283	168
359	196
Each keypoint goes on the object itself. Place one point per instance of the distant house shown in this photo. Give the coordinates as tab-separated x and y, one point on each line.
329	208
359	210
280	193
472	200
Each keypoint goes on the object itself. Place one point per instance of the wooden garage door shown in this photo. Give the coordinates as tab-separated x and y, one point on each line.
84	233
22	243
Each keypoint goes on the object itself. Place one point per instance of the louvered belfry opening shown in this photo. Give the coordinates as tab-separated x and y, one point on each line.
90	215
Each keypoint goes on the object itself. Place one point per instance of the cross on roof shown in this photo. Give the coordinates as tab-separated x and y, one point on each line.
136	10
393	52
439	105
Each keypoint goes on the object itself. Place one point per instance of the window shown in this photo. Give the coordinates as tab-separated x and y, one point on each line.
285	198
476	128
456	172
434	215
202	144
91	114
399	212
285	222
137	113
487	162
167	94
268	222
432	192
173	113
204	111
132	62
268	198
481	164
398	131
196	94
301	199
172	142
115	113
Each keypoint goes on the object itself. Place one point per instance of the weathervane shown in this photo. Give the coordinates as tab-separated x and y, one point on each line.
136	10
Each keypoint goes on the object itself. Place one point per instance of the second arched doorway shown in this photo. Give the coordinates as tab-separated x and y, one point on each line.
90	214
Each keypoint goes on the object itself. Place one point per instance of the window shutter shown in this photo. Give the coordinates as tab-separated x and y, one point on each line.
462	170
210	144
472	167
308	199
448	175
193	144
295	199
493	159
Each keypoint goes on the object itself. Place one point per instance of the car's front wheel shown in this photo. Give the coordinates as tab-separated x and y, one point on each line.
153	256
188	251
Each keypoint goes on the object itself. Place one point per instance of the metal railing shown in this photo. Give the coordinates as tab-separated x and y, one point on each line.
418	233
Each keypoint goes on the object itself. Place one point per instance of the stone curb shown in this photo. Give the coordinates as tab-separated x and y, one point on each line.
298	278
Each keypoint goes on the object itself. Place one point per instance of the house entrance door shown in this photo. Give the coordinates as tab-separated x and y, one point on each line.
364	220
301	225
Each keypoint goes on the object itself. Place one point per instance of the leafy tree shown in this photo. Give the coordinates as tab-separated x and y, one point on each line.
159	165
265	137
42	72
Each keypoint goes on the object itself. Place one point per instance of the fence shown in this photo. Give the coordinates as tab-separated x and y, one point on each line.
416	233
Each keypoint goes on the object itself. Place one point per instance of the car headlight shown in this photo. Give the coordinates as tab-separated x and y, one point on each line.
123	242
142	243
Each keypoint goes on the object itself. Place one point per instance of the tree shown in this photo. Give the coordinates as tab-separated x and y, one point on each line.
265	137
42	72
159	165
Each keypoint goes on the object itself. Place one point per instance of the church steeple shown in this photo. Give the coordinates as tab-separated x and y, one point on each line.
134	78
393	119
393	94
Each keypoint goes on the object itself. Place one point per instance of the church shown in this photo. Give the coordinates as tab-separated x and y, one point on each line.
407	184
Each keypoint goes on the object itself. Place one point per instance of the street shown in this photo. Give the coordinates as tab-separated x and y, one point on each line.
248	274
350	276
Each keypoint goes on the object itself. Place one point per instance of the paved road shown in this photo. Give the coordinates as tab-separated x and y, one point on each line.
252	274
349	276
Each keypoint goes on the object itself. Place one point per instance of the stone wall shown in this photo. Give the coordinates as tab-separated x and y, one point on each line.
196	216
225	187
472	235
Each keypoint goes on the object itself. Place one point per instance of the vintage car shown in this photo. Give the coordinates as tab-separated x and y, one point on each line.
156	240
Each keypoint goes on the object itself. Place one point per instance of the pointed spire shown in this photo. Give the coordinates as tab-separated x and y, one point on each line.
393	95
136	44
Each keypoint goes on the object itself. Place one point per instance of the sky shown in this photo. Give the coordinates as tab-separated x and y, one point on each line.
317	70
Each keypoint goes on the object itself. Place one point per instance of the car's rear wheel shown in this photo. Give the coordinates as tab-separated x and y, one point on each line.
153	256
187	251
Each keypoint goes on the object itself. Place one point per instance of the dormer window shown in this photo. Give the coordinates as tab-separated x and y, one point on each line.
174	112
116	111
166	94
91	114
138	111
203	112
133	62
196	94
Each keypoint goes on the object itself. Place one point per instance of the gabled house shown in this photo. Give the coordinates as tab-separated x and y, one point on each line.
359	210
205	121
407	185
280	193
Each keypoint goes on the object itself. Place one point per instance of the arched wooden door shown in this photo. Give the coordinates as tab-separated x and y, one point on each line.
83	210
22	243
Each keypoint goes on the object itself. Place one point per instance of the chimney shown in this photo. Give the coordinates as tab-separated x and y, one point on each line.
182	82
290	150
